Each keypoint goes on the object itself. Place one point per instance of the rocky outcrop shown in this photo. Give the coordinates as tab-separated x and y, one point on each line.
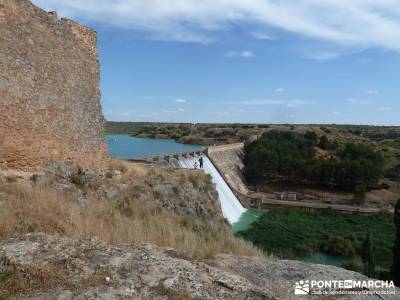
279	276
182	192
49	90
89	269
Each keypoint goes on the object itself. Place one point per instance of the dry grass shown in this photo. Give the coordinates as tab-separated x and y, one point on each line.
117	164
124	221
17	280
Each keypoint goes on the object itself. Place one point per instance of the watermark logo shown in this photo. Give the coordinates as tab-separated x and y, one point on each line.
302	288
344	287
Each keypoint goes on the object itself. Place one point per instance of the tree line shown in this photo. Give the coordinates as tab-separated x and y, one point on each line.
285	155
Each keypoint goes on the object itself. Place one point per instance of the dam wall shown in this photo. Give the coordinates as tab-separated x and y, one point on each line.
231	207
228	160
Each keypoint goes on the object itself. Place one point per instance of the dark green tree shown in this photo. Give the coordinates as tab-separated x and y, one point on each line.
324	143
367	256
286	155
311	136
395	270
360	194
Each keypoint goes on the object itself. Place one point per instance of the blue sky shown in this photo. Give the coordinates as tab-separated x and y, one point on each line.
261	61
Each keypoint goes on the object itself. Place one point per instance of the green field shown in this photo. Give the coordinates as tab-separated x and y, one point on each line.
296	233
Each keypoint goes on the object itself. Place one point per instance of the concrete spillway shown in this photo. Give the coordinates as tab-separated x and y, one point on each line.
232	209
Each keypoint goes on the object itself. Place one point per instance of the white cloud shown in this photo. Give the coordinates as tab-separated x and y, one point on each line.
352	100
118	115
385	108
279	90
372	92
181	109
263	36
169	112
244	54
286	103
359	23
322	55
357	101
179	100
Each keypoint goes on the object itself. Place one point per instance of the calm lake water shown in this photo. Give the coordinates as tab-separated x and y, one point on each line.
126	147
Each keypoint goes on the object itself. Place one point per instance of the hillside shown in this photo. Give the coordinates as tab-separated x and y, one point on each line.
128	203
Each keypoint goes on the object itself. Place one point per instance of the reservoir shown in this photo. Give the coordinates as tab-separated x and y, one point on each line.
128	147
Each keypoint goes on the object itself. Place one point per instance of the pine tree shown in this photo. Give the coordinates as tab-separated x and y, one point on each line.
367	256
395	270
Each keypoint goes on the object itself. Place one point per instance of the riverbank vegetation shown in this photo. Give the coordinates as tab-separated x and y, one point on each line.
296	233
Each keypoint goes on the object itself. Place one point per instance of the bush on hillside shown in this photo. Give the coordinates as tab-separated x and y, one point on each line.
338	245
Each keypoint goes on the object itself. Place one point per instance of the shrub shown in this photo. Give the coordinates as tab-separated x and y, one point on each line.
34	178
384	186
393	173
339	246
157	194
78	179
116	164
352	266
194	180
176	190
359	194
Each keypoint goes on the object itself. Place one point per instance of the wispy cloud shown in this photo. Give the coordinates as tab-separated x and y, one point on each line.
117	115
263	36
168	111
244	54
357	101
279	90
292	103
316	55
360	23
180	100
385	108
372	92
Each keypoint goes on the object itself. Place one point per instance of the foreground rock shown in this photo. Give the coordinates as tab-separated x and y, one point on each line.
90	269
58	268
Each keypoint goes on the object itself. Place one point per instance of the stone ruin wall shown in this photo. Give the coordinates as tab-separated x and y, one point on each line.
49	90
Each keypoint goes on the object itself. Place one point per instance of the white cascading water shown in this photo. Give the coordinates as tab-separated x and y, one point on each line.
231	207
